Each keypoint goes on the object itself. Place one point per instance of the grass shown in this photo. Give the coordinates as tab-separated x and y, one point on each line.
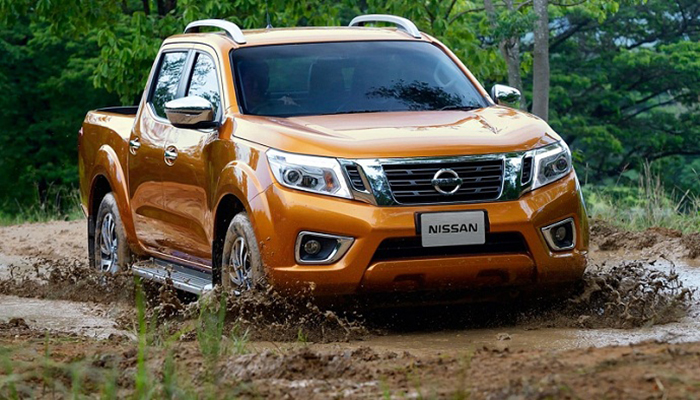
157	373
647	205
63	206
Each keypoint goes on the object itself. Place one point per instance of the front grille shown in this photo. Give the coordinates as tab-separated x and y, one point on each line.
411	247
355	179
527	171
411	183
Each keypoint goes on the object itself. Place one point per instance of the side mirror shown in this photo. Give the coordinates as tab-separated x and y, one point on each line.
191	112
505	95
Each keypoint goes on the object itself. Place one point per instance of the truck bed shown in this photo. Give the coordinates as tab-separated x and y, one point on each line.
105	133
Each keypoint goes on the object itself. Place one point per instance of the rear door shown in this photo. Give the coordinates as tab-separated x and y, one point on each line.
147	148
186	180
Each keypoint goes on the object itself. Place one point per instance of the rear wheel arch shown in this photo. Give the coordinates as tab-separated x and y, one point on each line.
108	168
112	252
99	188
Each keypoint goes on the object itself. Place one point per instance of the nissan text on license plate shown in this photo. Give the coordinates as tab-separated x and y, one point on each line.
453	228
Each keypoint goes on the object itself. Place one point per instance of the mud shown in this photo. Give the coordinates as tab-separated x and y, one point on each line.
627	295
274	317
638	295
50	367
65	279
51	240
653	241
57	317
615	293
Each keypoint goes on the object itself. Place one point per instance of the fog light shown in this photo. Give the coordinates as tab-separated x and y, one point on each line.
312	247
321	248
561	235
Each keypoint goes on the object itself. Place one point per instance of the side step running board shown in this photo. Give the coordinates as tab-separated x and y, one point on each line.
183	278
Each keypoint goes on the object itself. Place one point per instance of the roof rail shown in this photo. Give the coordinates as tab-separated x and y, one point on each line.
402	23
231	29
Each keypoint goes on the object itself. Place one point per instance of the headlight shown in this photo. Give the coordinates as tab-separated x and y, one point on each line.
321	175
552	163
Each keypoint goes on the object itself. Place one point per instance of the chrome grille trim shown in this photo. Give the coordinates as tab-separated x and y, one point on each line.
353	172
378	189
528	167
482	180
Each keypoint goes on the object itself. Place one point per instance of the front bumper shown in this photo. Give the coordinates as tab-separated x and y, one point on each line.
279	214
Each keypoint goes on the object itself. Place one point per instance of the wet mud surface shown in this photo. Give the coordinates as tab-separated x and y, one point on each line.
631	329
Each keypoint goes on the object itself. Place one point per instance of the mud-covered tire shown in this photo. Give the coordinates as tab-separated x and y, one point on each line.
112	253
241	264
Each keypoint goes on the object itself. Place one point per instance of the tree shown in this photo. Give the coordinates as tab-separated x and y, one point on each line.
540	75
624	74
509	45
48	87
625	90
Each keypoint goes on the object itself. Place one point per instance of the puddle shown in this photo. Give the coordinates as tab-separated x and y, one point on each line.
59	316
541	339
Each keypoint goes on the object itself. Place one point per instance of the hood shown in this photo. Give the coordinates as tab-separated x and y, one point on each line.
494	129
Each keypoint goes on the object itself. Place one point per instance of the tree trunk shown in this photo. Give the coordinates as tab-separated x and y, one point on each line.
165	6
510	49
540	74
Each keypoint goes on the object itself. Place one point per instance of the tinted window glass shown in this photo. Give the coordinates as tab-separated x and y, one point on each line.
168	80
350	77
204	81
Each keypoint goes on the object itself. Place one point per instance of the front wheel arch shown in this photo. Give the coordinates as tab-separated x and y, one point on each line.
242	268
228	207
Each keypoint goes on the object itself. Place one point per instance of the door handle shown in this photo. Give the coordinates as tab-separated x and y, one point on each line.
170	155
134	145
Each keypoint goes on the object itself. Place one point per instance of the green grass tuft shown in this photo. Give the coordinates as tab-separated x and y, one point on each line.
647	205
64	206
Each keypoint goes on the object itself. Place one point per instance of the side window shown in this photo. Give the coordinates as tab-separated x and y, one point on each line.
168	79
204	82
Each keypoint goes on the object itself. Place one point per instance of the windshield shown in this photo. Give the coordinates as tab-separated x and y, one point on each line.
350	77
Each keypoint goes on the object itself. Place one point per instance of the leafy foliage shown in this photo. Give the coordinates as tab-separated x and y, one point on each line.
625	91
46	82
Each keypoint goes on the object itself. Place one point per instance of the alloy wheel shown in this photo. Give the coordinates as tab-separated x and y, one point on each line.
240	270
109	245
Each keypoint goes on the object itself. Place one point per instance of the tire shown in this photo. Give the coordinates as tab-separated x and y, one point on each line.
112	253
241	264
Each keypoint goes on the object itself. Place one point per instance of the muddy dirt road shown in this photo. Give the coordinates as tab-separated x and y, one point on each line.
633	331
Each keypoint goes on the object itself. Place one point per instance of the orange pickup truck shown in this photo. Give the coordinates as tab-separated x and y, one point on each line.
349	159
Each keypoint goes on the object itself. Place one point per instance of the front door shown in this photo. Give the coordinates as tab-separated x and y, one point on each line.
147	147
186	180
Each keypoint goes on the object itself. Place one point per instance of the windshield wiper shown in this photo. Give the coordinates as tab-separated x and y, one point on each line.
358	112
459	108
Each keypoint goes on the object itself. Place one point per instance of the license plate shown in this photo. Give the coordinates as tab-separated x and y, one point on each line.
453	228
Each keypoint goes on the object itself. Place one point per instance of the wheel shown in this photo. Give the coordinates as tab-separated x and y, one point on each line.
241	264
112	251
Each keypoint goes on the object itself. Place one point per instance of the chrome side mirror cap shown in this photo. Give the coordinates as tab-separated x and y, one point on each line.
191	112
505	95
